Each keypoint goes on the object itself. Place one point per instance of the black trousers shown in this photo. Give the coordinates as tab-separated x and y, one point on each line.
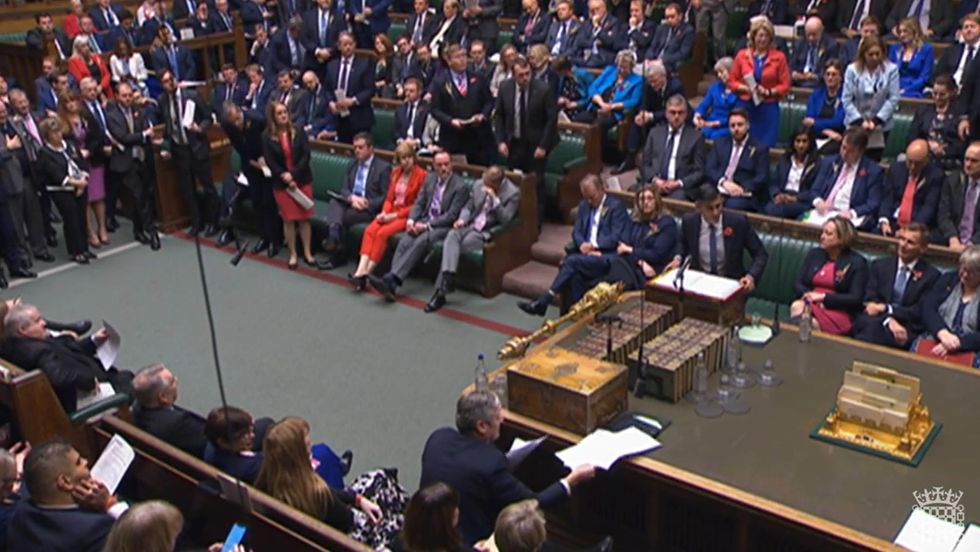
521	156
196	186
72	209
10	246
266	210
140	185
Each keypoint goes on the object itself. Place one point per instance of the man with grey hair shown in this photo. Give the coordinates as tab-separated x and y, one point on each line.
811	53
466	459
68	362
659	86
155	388
673	158
493	202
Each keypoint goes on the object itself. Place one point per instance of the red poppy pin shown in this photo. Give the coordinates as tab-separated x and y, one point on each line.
728	231
472	80
839	275
654	228
863	172
916	275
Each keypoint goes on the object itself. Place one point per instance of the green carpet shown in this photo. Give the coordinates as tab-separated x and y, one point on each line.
370	376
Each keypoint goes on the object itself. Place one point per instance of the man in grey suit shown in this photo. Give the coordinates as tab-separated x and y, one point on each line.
361	198
673	158
493	202
436	209
959	208
712	19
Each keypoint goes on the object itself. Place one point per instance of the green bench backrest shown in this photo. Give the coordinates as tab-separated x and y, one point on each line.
396	30
504	37
17	37
384	129
790	115
329	171
898	137
569	147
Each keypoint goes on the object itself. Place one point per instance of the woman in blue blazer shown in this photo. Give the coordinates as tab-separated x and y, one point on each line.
914	58
612	95
711	115
825	108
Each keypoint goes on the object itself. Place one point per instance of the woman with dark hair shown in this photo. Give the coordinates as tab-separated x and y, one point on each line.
287	153
794	175
384	53
63	173
231	440
914	58
825	110
127	67
938	125
832	281
431	522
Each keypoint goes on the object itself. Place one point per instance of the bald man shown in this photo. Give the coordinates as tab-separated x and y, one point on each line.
911	191
811	53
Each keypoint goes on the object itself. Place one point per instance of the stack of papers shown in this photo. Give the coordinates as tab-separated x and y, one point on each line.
924	532
700	283
113	463
602	448
521	449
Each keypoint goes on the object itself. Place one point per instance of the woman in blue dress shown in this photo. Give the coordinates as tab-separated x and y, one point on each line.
824	116
711	115
761	72
914	58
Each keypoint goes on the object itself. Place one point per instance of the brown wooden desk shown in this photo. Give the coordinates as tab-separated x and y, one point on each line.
758	481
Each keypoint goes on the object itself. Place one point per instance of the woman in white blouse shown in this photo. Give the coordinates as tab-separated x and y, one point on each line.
127	66
505	68
793	176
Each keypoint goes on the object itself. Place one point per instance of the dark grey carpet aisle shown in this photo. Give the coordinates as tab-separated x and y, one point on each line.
367	375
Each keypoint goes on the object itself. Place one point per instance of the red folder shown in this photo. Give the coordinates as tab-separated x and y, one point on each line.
925	346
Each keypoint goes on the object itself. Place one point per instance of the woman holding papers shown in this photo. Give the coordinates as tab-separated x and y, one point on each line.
287	153
64	174
760	77
833	280
406	181
871	92
951	311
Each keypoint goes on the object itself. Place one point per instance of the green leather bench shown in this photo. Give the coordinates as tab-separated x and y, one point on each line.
17	37
396	30
565	162
790	115
504	37
383	131
898	137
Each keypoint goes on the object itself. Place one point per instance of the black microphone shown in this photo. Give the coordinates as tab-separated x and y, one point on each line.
609	318
242	246
682	269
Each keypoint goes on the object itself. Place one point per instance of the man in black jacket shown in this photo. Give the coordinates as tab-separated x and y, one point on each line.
466	459
37	38
155	389
461	102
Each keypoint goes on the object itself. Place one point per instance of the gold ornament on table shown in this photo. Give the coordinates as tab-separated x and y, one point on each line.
880	411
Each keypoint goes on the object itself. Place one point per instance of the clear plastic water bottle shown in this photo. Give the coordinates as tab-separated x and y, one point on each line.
480	379
701	376
499	387
806	323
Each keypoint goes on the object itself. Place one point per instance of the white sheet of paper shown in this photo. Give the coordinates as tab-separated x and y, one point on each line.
186	33
821	142
970	541
520	450
113	463
602	448
266	172
188	119
926	533
300	198
109	351
341	95
103	390
700	283
242	179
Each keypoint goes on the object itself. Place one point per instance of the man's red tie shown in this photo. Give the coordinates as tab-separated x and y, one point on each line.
905	208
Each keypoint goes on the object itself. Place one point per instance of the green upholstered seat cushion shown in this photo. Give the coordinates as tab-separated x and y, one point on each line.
898	137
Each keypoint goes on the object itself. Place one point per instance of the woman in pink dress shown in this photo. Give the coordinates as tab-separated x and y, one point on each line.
833	280
86	135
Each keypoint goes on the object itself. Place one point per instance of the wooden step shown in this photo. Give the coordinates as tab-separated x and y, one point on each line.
550	247
530	279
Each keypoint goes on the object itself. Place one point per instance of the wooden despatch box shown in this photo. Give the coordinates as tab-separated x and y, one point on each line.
566	389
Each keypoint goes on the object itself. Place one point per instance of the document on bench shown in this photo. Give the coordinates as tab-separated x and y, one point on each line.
109	350
113	463
602	448
700	283
521	449
103	390
924	532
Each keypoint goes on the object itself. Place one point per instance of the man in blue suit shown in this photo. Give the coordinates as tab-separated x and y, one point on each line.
563	35
257	96
466	459
674	40
739	165
911	190
848	183
811	53
174	56
57	85
232	89
354	75
369	18
602	36
151	27
288	51
105	16
320	27
598	231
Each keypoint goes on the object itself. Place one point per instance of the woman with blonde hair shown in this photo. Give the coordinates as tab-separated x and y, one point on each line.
914	58
86	63
146	527
761	71
871	92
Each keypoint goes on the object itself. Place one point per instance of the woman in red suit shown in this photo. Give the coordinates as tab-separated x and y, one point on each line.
83	63
287	153
406	181
762	64
72	26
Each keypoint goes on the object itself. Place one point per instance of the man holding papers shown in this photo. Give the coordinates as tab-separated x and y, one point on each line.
715	240
466	459
847	184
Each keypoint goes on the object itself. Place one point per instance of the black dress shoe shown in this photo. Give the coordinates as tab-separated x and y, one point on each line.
628	164
346	461
81	327
273	250
437	302
225	238
154	240
51	240
383	287
211	230
4	284
90	255
44	256
22	273
193	231
259	247
112	224
80	258
333	262
359	282
535	308
329	245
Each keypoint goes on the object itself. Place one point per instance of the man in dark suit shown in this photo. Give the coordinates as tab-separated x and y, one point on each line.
175	57
57	85
461	103
598	231
128	166
775	10
183	9
254	12
870	26
411	115
435	210
466	459
260	52
259	91
493	202
639	30
295	99
895	290
288	51
12	188
354	75
126	31
481	17
232	88
151	28
674	155
317	121
364	190
811	53
937	21
424	66
287	9
104	15
848	183
969	102
190	148
738	165
826	10
67	508
532	26
563	35
658	87
959	210
320	29
369	18
221	20
673	43
422	24
68	361
958	55
37	38
911	190
155	389
526	124
603	36
479	64
850	14
715	241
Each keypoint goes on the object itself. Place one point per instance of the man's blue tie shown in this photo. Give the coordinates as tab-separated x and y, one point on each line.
172	54
712	249
901	281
